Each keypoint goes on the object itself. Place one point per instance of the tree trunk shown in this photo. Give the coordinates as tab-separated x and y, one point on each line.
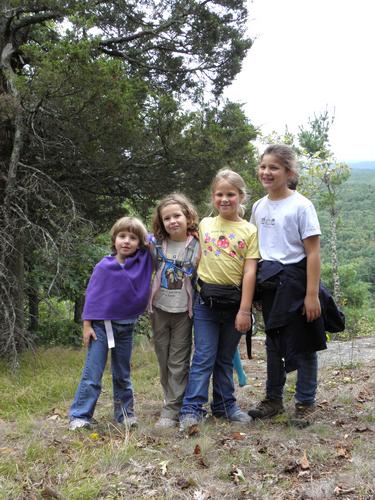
334	257
12	248
78	308
33	311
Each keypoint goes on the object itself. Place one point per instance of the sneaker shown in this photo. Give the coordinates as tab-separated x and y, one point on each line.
130	422
79	423
165	423
240	416
188	421
267	408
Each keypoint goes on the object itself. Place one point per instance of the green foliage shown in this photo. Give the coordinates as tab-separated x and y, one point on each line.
355	300
59	333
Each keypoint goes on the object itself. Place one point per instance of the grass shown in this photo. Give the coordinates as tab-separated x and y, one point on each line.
39	458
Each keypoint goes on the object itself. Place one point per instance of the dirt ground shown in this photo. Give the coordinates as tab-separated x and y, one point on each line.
334	457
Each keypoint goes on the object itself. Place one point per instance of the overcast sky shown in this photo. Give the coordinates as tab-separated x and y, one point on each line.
308	56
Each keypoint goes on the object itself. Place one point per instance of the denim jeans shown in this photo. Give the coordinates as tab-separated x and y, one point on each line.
89	388
215	342
307	374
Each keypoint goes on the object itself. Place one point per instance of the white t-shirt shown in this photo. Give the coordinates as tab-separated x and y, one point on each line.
282	225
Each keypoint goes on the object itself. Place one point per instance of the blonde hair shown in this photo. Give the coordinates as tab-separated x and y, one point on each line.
287	157
187	209
131	224
233	178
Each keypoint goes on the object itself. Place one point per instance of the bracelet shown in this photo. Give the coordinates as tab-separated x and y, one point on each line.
245	313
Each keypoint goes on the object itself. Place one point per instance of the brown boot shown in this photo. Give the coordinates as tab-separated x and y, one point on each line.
304	410
303	415
267	408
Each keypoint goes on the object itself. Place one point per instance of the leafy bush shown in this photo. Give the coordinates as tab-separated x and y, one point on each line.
59	332
355	300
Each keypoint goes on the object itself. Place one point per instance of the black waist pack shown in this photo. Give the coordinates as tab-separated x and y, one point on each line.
220	296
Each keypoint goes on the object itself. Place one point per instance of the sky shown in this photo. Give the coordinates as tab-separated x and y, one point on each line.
309	56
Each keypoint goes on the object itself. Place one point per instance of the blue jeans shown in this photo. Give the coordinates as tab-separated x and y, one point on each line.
307	374
89	388
215	343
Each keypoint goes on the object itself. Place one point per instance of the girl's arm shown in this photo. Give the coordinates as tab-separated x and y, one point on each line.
243	318
88	332
311	303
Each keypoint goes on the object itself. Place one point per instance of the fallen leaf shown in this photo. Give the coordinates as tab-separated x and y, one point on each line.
303	473
304	463
184	483
203	462
48	492
339	490
237	474
197	450
238	436
291	466
363	428
163	467
193	430
6	451
342	452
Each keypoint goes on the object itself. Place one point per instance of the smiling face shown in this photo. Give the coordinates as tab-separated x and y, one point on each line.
226	198
274	176
174	221
126	243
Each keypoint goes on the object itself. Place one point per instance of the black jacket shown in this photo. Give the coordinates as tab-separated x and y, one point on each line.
281	290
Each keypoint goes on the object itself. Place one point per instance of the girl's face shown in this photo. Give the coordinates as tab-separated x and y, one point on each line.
226	198
174	221
126	243
273	175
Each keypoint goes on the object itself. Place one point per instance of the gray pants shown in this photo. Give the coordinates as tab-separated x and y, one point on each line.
172	340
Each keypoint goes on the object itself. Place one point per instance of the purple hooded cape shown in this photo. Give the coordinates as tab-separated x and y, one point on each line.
116	293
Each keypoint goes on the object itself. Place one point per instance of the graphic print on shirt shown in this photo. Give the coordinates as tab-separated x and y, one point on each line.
224	244
171	278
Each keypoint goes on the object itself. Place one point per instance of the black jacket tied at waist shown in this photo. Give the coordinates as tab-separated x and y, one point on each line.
282	290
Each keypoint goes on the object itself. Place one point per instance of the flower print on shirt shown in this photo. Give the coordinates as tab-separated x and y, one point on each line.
241	244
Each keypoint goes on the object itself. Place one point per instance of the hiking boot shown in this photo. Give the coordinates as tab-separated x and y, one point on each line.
165	423
302	415
267	408
79	423
304	410
240	417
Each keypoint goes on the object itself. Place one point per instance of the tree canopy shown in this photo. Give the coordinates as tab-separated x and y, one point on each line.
103	103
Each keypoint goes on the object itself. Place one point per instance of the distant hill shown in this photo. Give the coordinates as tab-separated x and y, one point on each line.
362	165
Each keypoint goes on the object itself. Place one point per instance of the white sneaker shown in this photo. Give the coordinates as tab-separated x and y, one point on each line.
188	421
240	417
130	422
165	423
79	423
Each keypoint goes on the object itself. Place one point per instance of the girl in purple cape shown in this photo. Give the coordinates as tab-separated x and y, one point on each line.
116	295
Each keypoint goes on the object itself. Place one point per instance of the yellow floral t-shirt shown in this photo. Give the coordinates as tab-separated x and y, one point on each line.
225	247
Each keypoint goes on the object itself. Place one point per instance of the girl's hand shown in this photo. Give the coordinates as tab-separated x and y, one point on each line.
311	307
88	333
243	321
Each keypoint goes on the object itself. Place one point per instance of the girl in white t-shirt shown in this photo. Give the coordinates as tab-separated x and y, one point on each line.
288	282
176	252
